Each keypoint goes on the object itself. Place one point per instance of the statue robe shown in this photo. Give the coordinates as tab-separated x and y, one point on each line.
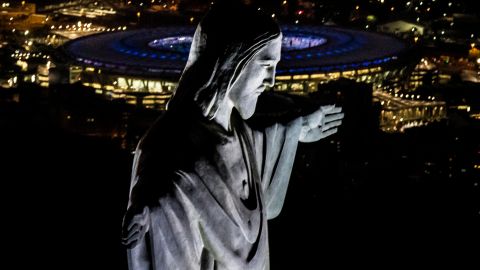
213	213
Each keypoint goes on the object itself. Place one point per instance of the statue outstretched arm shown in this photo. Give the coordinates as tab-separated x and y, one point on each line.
281	145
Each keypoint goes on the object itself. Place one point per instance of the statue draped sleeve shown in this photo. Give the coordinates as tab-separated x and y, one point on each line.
275	153
197	223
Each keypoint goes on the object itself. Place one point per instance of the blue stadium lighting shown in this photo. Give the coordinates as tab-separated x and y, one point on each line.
305	49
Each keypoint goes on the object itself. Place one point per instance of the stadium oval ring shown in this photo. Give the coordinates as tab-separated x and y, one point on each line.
307	50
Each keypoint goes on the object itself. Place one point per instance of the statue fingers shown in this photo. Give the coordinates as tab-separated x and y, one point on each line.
332	109
131	231
134	236
328	133
132	242
327	108
317	118
133	223
333	117
330	125
139	218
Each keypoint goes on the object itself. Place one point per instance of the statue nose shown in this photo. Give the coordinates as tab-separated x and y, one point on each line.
270	78
270	81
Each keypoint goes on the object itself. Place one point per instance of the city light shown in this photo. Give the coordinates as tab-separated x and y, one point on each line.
69	42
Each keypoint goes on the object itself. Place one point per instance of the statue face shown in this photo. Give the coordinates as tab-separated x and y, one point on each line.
257	74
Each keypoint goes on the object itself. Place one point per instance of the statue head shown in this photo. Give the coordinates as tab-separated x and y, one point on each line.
257	74
233	55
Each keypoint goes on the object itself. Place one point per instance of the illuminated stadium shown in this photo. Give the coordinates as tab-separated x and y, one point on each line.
147	63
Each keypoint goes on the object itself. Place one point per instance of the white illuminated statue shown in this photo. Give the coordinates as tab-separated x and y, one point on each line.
204	183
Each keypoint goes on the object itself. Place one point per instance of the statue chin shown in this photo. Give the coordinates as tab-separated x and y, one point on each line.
246	114
246	107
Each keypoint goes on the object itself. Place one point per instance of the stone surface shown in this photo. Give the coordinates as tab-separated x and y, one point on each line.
204	183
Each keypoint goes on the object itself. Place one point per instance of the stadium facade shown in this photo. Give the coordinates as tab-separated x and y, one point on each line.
144	65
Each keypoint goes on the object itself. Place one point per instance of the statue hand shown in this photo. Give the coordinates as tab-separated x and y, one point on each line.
321	123
136	223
